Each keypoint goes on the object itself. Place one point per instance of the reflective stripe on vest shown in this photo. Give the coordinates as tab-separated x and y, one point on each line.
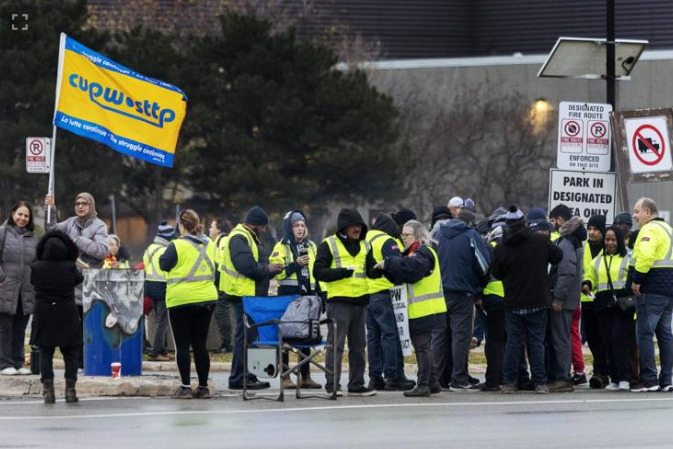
232	282
336	256
354	286
376	240
426	297
203	257
621	275
586	265
151	271
666	261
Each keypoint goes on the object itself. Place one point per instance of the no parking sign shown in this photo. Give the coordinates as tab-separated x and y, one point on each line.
38	154
648	143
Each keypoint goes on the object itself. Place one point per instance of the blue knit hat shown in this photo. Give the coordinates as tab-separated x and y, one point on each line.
536	213
165	231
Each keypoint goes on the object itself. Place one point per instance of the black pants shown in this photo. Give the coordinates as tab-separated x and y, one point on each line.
224	321
496	337
592	327
189	325
12	336
426	374
70	355
614	324
80	359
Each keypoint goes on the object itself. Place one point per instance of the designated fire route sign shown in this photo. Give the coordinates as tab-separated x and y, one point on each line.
649	145
38	154
584	137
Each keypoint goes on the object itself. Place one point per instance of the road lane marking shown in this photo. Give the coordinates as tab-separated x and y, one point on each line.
334	408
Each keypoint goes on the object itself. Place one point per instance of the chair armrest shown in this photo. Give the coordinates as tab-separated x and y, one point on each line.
262	324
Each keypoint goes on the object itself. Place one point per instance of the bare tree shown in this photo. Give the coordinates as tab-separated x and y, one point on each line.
482	144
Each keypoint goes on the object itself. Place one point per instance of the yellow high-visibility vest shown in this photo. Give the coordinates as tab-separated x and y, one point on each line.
232	282
151	261
356	285
376	240
192	279
426	297
282	254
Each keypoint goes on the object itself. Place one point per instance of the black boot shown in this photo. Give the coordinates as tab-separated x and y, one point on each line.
70	393
420	391
48	391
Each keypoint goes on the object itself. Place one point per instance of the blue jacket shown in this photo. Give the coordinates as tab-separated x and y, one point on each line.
458	247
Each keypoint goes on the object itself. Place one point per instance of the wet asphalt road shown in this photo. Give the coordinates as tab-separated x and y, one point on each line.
462	420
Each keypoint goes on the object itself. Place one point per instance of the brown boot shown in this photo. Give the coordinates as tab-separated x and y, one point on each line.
307	382
70	392
48	391
288	384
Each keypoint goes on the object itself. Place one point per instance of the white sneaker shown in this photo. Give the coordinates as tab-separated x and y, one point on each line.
624	386
11	371
666	388
612	387
23	371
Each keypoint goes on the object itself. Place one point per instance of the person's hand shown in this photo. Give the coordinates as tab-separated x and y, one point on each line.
380	266
49	201
276	267
556	307
347	272
302	260
585	289
636	289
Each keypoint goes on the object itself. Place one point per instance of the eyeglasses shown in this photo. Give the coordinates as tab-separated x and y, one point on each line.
81	203
406	235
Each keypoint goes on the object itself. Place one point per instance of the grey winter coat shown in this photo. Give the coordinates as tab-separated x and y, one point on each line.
568	274
91	239
18	252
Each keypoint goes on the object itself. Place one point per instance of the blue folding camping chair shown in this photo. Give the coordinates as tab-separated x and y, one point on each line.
263	356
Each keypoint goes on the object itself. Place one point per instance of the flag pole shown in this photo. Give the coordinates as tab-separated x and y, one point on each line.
52	170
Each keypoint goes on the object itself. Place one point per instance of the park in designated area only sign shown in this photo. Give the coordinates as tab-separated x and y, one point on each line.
648	144
38	154
585	193
584	136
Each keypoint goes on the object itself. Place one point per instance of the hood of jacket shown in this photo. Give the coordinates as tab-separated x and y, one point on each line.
385	223
202	238
55	246
453	228
349	217
517	234
288	235
574	228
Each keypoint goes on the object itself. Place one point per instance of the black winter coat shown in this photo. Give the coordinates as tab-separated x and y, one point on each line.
520	262
54	275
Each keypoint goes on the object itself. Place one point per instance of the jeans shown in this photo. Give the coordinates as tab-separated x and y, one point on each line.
559	351
615	324
223	317
350	324
532	326
12	336
496	336
383	344
456	336
480	326
654	317
70	356
161	327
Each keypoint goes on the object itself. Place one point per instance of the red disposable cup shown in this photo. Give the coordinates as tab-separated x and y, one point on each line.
116	369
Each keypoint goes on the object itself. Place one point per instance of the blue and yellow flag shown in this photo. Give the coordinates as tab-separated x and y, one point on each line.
107	102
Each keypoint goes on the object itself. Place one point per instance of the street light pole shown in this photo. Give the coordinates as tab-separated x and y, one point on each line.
610	53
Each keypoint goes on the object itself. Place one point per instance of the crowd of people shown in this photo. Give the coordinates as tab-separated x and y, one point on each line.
541	283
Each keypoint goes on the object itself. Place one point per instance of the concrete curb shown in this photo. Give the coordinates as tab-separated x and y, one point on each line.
147	386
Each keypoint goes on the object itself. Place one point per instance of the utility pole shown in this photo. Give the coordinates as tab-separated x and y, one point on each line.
610	52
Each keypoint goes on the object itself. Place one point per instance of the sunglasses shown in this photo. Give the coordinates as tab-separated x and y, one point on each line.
81	203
